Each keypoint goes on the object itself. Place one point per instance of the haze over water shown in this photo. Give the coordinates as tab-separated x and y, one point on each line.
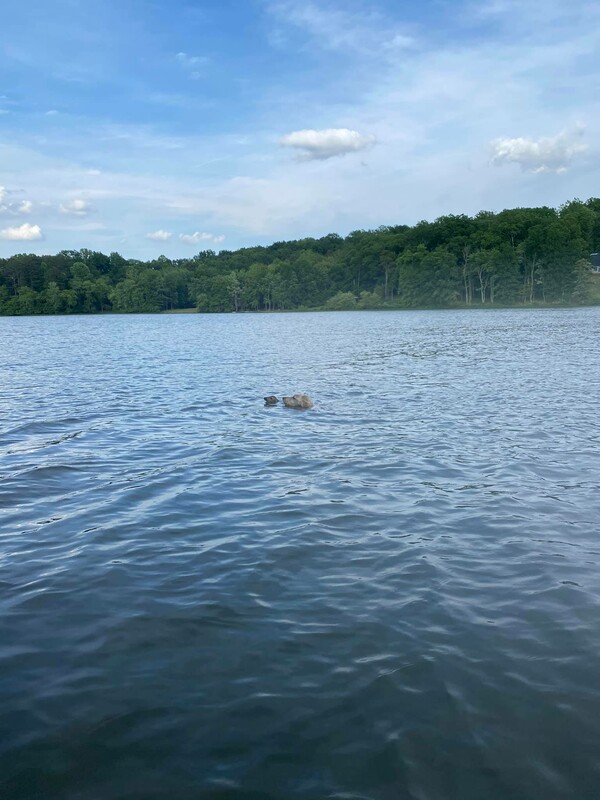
394	596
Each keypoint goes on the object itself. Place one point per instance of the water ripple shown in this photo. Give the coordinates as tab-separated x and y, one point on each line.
394	595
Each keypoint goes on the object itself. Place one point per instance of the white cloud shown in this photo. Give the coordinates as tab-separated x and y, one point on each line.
548	154
24	232
24	207
78	207
326	143
159	236
197	238
3	193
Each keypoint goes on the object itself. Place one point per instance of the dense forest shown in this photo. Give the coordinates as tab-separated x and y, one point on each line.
518	256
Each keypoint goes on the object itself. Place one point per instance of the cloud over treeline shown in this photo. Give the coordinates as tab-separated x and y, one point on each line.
547	154
197	238
159	235
24	232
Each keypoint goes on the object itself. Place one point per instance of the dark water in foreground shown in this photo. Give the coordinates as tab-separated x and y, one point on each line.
396	595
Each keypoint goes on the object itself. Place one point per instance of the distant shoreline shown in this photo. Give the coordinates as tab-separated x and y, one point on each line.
386	309
520	257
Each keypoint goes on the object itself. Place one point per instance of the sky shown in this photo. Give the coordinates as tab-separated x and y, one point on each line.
150	127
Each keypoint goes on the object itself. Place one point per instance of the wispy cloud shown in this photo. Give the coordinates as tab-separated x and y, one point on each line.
78	207
518	12
24	232
194	65
191	61
337	28
328	143
20	207
547	154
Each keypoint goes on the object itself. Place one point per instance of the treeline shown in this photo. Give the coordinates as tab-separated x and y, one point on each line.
518	256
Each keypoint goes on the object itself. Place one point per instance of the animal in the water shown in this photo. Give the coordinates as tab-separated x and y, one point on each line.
271	400
298	401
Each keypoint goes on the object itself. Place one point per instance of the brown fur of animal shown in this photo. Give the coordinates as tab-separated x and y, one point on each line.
298	401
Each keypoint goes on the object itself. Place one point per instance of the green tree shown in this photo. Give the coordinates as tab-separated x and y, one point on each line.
342	301
583	287
54	301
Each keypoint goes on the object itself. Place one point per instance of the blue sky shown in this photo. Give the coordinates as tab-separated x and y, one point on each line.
150	127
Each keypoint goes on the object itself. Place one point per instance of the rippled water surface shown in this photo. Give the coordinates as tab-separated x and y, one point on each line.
395	595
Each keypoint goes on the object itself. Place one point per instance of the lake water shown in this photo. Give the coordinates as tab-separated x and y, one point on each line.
394	596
